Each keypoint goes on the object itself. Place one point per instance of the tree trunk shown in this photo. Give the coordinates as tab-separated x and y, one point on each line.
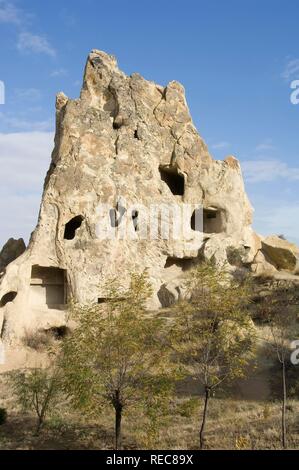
40	423
118	417
204	417
283	410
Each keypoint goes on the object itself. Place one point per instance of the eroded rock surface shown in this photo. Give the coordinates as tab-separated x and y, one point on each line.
126	144
283	254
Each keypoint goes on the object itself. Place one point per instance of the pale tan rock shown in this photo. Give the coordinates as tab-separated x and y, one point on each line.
125	142
261	265
281	253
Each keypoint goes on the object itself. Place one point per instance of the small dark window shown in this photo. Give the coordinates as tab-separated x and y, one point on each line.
214	220
174	180
9	297
72	226
48	287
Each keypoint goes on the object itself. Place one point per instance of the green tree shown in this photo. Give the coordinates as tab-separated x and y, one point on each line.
37	390
117	355
214	335
280	310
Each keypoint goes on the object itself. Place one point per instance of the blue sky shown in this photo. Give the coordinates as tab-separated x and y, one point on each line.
236	60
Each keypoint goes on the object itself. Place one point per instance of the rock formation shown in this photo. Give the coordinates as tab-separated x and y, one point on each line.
10	251
126	145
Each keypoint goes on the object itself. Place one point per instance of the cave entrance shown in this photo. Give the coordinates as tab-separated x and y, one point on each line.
48	287
182	263
72	226
58	332
9	297
213	220
174	180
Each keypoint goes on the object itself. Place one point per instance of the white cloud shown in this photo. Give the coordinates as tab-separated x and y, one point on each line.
19	216
28	42
257	171
24	160
31	94
291	69
220	145
17	123
9	13
266	145
59	73
281	217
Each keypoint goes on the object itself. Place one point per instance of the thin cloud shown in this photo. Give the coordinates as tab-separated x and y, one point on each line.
18	124
291	69
27	41
264	146
280	217
9	13
220	145
28	94
24	159
258	171
59	73
33	43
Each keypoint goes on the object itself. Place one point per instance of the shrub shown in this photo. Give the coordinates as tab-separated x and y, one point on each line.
235	255
37	340
36	390
187	409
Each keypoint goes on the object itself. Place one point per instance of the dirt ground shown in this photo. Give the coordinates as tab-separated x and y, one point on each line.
246	415
233	423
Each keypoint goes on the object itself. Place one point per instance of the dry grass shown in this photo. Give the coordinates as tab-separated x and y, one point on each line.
244	416
39	341
232	424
